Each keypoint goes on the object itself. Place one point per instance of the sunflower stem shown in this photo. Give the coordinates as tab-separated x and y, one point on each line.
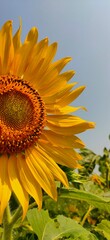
9	221
16	216
7	227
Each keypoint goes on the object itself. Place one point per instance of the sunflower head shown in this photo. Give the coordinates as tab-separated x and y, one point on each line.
37	129
22	115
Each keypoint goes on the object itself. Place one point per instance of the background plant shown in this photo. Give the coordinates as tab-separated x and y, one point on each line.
81	212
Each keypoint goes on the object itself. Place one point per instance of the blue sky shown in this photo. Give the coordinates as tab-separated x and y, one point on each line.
82	30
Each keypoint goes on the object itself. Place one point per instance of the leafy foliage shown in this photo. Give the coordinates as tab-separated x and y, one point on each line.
80	213
58	228
104	228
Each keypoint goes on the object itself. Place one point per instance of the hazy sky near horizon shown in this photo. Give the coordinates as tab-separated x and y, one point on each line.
82	30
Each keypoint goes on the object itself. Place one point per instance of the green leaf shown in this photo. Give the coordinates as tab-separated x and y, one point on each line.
1	229
104	229
65	227
92	199
38	220
57	229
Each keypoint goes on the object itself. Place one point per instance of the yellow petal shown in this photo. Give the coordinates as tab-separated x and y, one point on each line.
60	64
17	39
64	120
67	124
47	79
41	172
50	163
28	181
6	47
56	109
70	97
50	54
68	75
40	50
21	59
32	35
53	99
52	79
5	188
23	55
16	185
71	130
51	51
63	141
36	60
61	156
52	87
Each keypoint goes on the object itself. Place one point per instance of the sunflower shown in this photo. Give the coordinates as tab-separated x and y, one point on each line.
37	130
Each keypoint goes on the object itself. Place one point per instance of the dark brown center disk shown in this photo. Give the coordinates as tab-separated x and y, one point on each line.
22	115
16	109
